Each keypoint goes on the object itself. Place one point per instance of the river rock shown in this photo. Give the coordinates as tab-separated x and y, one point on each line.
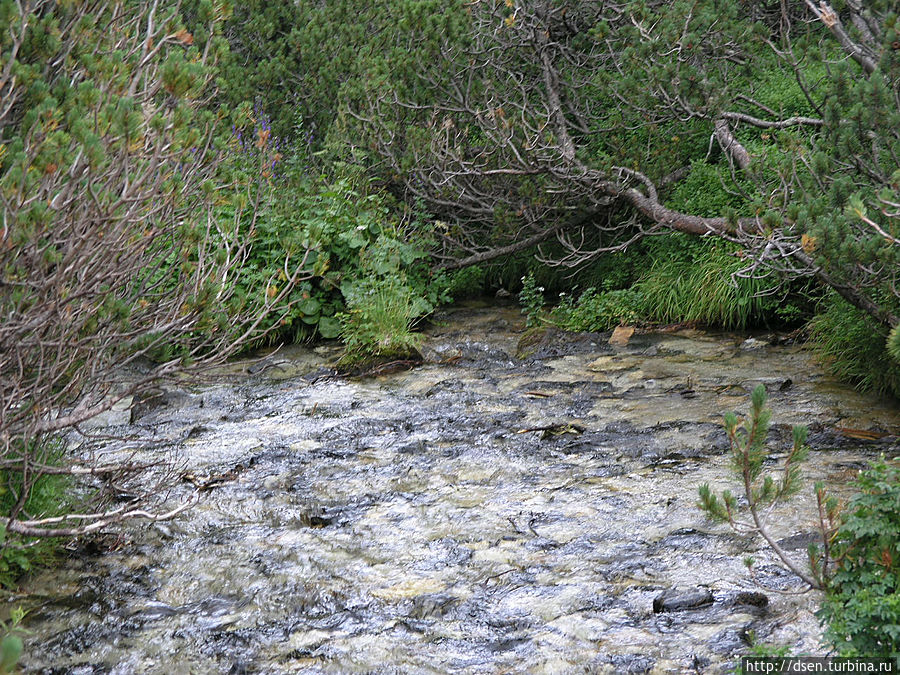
680	600
621	335
751	344
151	400
117	415
752	598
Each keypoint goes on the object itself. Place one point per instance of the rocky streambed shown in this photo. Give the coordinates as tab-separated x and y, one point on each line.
495	510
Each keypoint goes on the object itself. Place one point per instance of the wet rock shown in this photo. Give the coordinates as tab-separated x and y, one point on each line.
751	598
432	605
632	664
729	641
799	541
118	415
262	365
678	601
151	401
155	610
751	344
552	343
621	335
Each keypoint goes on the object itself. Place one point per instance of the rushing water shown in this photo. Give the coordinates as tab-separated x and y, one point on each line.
482	513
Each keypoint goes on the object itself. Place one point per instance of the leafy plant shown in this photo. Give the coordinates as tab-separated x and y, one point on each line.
597	310
378	323
531	298
893	344
466	283
746	438
862	600
853	347
48	495
11	646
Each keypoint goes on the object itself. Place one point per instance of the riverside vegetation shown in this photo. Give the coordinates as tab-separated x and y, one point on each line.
282	171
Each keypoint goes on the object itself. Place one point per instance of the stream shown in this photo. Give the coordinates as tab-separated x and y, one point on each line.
494	510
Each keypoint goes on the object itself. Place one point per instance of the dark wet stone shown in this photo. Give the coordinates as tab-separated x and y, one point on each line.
449	552
552	343
632	664
415	448
320	374
776	577
541	544
677	601
432	605
263	365
686	539
147	402
506	644
729	641
751	598
716	441
154	611
799	541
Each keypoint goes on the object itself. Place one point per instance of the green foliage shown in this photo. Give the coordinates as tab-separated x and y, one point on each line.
748	455
746	438
862	601
848	213
264	64
347	230
853	347
47	496
701	280
703	191
531	298
468	282
379	318
597	310
893	344
11	646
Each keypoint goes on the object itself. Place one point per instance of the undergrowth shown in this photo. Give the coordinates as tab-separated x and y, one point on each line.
853	347
48	497
704	283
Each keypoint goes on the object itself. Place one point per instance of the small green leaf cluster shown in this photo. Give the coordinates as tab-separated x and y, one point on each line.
861	609
47	495
531	299
358	244
379	319
597	310
11	645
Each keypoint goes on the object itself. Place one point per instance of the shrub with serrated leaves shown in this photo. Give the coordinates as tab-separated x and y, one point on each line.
862	601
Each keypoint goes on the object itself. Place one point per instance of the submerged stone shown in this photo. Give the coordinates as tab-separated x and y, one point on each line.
678	601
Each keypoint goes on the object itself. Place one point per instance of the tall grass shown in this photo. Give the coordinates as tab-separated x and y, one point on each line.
854	348
379	320
704	287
